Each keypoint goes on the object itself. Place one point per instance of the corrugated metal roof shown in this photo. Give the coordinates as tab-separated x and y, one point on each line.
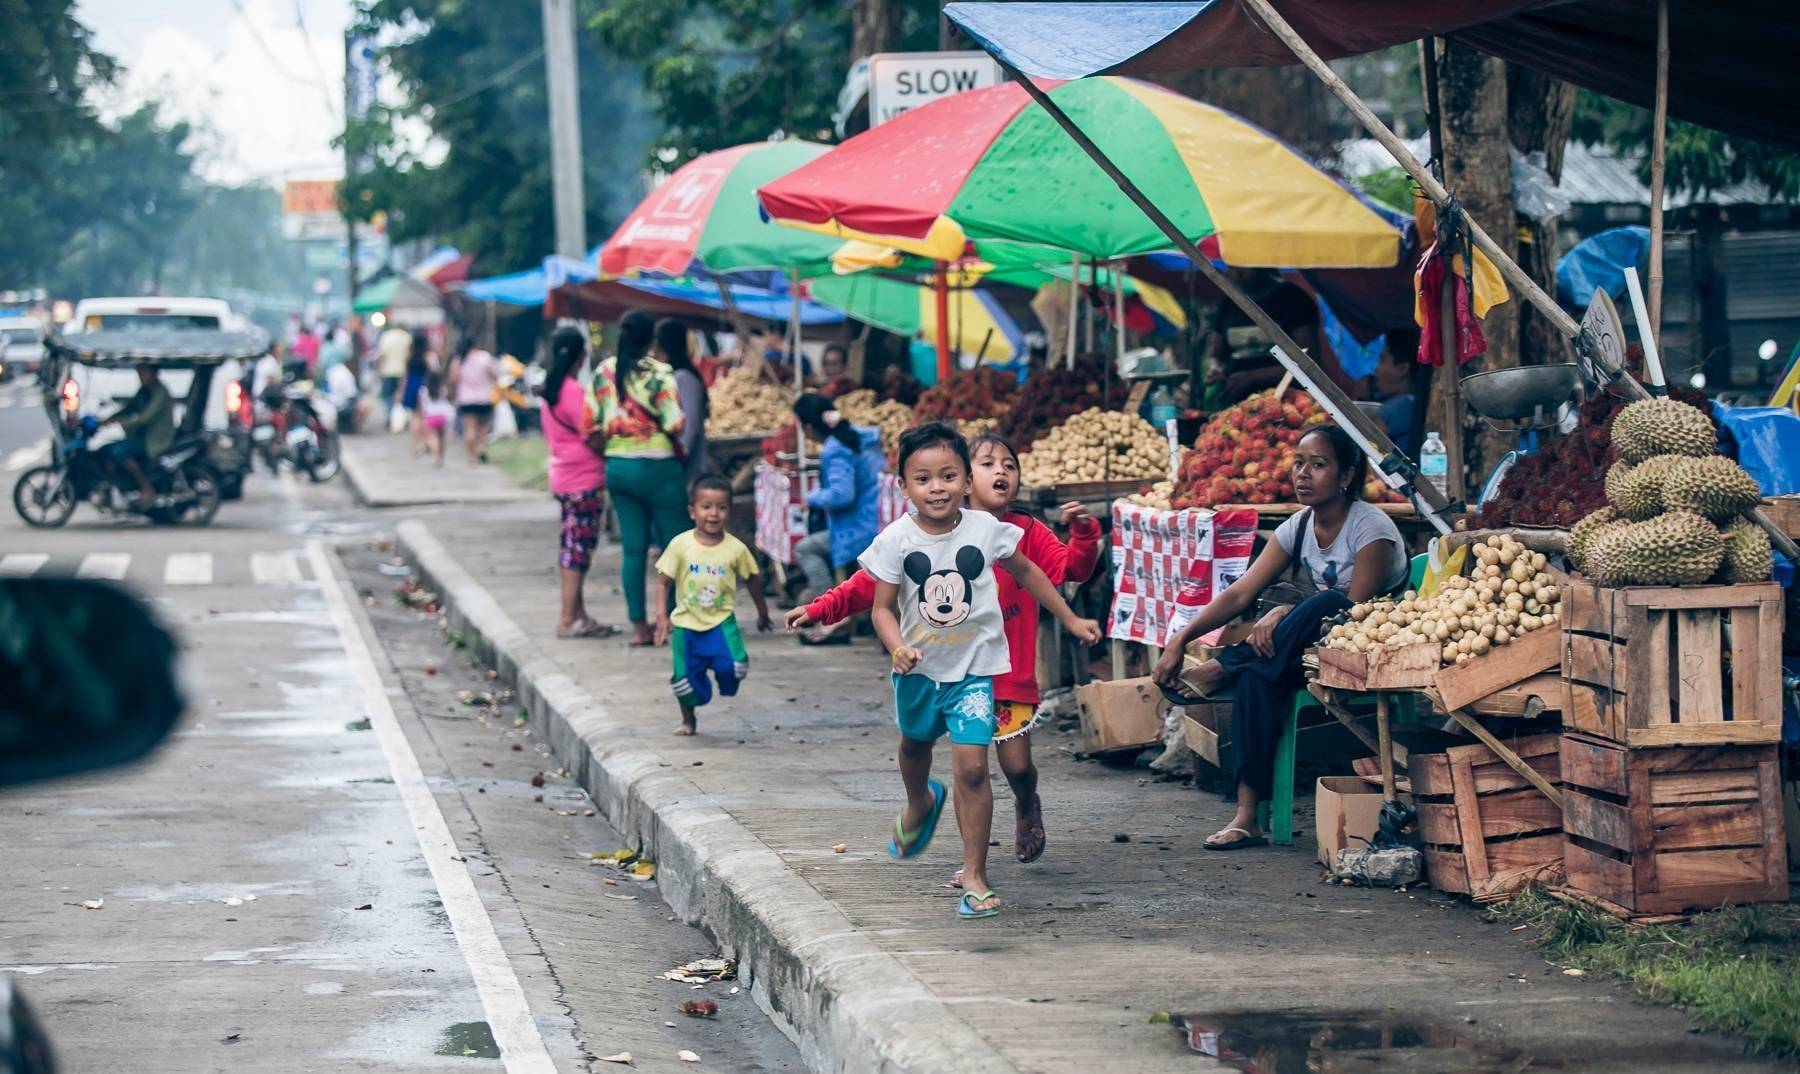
1592	175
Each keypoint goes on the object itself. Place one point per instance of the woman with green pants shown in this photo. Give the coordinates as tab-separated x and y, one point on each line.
639	409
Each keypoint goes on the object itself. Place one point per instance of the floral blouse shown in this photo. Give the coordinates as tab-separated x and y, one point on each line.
644	424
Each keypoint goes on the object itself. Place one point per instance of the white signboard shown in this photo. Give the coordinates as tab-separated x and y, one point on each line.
901	81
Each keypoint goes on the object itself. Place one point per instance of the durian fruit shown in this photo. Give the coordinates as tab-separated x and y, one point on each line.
1637	490
1748	556
1582	534
1652	427
1715	487
1604	561
1674	548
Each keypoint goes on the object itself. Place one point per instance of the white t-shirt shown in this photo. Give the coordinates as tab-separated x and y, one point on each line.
949	601
1332	567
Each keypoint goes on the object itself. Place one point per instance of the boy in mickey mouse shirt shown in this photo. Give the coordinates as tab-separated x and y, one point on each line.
937	609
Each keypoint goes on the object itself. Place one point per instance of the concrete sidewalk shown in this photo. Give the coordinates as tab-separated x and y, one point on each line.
384	472
1124	916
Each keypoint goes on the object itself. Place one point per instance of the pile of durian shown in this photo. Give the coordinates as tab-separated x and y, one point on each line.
1508	593
1675	513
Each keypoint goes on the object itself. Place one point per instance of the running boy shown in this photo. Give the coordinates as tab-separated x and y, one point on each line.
937	609
703	566
996	480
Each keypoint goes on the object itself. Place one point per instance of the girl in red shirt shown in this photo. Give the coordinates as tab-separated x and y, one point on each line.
996	481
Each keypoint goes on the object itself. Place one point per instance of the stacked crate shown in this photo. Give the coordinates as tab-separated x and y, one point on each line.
1672	786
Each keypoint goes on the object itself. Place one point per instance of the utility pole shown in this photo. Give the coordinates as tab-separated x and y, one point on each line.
565	126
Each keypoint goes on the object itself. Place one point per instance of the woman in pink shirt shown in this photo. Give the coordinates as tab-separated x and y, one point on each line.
473	380
577	477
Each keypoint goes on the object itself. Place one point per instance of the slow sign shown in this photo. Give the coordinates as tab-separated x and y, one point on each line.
900	81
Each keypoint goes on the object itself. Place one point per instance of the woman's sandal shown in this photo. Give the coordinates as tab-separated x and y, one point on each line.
904	844
965	906
587	628
1247	840
1028	841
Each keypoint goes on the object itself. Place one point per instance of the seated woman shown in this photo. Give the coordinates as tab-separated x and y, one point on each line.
848	492
1348	551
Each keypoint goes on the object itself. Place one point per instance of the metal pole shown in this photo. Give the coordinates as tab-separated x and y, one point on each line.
799	376
1074	304
564	89
941	306
1658	139
1356	423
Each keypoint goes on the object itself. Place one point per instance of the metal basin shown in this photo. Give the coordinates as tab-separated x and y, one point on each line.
1518	393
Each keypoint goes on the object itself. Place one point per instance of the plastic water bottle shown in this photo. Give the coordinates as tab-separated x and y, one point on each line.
1162	407
1434	463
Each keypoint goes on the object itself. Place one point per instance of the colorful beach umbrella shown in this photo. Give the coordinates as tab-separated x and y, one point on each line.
979	327
705	217
990	164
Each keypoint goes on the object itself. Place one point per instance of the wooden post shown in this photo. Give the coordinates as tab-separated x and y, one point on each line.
1658	138
1385	736
1447	386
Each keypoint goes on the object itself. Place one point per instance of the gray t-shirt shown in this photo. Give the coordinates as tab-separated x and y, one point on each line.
949	601
1331	567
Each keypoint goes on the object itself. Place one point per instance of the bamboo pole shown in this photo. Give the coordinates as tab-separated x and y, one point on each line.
1658	152
1447	379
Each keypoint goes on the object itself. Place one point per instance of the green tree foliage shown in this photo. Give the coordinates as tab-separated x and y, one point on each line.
1699	160
724	72
47	64
473	75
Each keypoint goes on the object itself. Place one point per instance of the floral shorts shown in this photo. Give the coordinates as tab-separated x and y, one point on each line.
1013	718
580	527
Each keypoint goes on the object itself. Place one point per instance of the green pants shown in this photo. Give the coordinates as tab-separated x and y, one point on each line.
649	496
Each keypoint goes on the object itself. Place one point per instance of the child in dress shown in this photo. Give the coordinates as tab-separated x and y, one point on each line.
438	411
996	481
702	567
937	609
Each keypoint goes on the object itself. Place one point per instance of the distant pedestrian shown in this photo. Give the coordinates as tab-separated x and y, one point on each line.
472	378
392	349
701	570
421	362
640	415
435	411
690	389
577	477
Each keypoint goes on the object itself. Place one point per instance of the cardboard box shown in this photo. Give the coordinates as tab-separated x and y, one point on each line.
1348	812
1120	715
1208	729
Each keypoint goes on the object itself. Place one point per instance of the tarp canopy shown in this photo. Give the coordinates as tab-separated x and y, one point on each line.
525	288
397	292
1727	58
695	300
1598	263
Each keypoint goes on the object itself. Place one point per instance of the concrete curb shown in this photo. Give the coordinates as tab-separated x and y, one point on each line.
367	486
851	1006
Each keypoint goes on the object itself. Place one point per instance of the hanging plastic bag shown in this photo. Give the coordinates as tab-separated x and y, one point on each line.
1437	568
505	424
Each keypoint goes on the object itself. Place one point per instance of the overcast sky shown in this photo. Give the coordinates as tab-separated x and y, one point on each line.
262	78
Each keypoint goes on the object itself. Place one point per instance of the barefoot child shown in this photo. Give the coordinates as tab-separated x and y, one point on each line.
703	567
937	609
1015	693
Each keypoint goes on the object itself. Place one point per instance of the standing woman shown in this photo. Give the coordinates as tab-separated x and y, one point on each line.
1348	551
472	378
421	362
690	389
641	418
577	477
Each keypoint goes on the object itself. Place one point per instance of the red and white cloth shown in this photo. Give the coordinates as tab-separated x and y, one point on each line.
893	499
1167	565
780	512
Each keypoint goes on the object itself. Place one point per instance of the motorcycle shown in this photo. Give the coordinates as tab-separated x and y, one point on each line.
187	487
300	430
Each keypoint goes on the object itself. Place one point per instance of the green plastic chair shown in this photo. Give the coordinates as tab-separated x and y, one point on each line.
1275	815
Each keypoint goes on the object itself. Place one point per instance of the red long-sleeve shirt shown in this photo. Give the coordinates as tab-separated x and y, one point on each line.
1073	562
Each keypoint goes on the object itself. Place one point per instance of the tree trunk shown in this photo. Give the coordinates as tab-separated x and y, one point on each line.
1539	109
874	27
1478	171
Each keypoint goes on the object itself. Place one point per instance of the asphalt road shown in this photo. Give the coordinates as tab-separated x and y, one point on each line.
337	863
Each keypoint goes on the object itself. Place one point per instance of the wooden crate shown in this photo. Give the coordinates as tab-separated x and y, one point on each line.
1208	729
1462	685
1408	667
1486	829
1667	665
1673	828
1784	511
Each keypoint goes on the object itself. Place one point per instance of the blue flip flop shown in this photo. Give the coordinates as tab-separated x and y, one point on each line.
965	906
900	847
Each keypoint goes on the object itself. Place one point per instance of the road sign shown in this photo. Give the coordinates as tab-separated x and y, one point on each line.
901	81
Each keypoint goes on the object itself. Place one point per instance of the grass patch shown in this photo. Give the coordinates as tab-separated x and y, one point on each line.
1735	970
525	460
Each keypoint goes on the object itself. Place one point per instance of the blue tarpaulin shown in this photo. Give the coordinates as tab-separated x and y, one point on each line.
513	289
1767	442
1598	263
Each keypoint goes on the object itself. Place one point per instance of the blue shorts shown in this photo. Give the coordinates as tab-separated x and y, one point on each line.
719	651
129	448
927	710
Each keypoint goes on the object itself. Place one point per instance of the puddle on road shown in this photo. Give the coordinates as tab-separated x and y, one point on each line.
473	1040
1304	1043
358	725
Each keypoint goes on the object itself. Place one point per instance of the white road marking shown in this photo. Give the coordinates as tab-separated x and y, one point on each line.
188	568
23	563
110	565
268	567
522	1049
29	455
7	401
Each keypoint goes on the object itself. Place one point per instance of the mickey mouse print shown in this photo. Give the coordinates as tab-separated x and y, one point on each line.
949	601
